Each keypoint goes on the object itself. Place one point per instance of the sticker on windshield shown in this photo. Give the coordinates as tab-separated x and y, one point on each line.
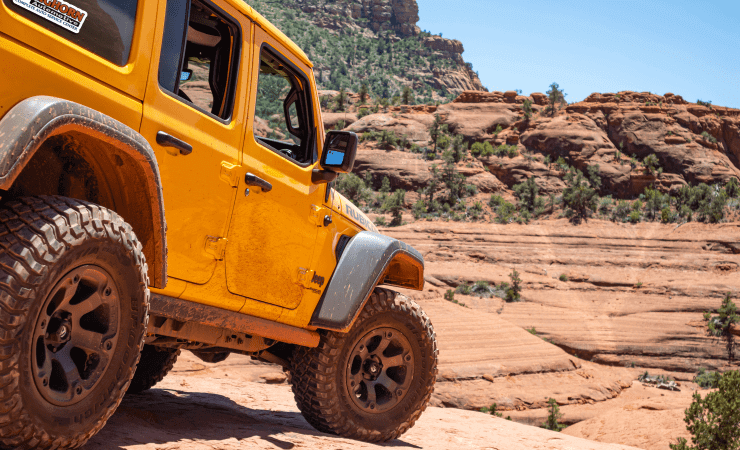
64	14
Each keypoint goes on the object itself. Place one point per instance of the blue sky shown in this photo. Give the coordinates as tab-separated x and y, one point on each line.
688	48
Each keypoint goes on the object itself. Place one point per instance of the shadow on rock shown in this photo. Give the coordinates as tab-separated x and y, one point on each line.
165	419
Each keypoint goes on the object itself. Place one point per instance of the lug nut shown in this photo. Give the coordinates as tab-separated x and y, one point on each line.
43	324
399	392
372	405
107	291
390	335
77	279
78	390
45	382
108	345
408	357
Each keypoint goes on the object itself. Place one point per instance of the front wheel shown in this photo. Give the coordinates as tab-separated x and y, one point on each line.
73	312
374	382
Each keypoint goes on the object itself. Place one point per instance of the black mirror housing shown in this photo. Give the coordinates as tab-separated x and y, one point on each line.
340	149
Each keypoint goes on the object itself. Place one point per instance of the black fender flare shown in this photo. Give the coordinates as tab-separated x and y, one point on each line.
26	126
368	259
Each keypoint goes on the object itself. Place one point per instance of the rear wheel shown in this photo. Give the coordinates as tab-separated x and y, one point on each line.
154	364
73	312
374	382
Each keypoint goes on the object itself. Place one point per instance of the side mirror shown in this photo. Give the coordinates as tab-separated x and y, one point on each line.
186	75
340	149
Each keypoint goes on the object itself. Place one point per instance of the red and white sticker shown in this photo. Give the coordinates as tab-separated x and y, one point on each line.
64	14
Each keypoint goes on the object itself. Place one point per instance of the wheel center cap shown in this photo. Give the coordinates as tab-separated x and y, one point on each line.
372	368
62	333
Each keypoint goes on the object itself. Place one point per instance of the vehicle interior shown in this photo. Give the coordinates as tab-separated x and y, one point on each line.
208	69
281	112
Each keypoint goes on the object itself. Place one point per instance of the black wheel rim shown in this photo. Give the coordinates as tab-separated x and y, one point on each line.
76	335
380	370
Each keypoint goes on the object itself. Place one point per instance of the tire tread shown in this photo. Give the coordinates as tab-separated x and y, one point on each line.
314	369
34	233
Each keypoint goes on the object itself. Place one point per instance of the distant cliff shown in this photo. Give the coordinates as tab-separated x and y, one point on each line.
373	42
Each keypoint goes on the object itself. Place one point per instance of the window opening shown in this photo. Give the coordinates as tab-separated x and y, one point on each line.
282	111
202	68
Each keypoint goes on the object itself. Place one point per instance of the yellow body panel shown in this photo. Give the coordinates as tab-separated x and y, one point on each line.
267	254
102	76
33	74
197	200
272	237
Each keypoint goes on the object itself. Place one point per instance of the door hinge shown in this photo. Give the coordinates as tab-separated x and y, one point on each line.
230	173
216	247
318	215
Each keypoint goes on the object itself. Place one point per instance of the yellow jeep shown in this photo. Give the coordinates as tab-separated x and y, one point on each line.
166	184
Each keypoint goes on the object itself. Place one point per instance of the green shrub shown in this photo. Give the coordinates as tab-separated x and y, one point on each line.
464	288
605	204
363	112
394	205
527	108
459	147
443	142
484	149
555	96
651	163
713	420
655	201
578	195
419	209
593	176
492	410
562	163
496	200
527	192
552	419
621	211
476	210
505	212
380	221
634	216
721	325
513	293
450	295
732	188
477	148
707	379
512	151
702	103
532	330
563	277
352	187
666	216
708	137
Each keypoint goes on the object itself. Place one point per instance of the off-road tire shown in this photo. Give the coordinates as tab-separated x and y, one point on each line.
320	386
43	242
154	364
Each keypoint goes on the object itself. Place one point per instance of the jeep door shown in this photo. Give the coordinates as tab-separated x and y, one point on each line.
194	118
273	230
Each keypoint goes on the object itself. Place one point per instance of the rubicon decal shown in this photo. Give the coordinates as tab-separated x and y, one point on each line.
60	12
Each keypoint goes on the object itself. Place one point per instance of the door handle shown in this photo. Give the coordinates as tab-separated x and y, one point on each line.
167	140
251	179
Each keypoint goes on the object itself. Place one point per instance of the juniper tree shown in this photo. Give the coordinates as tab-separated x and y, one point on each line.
555	95
721	325
714	421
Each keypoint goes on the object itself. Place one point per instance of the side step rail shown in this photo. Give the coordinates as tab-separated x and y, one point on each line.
189	312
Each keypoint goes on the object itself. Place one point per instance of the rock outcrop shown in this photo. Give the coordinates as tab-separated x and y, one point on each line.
693	143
